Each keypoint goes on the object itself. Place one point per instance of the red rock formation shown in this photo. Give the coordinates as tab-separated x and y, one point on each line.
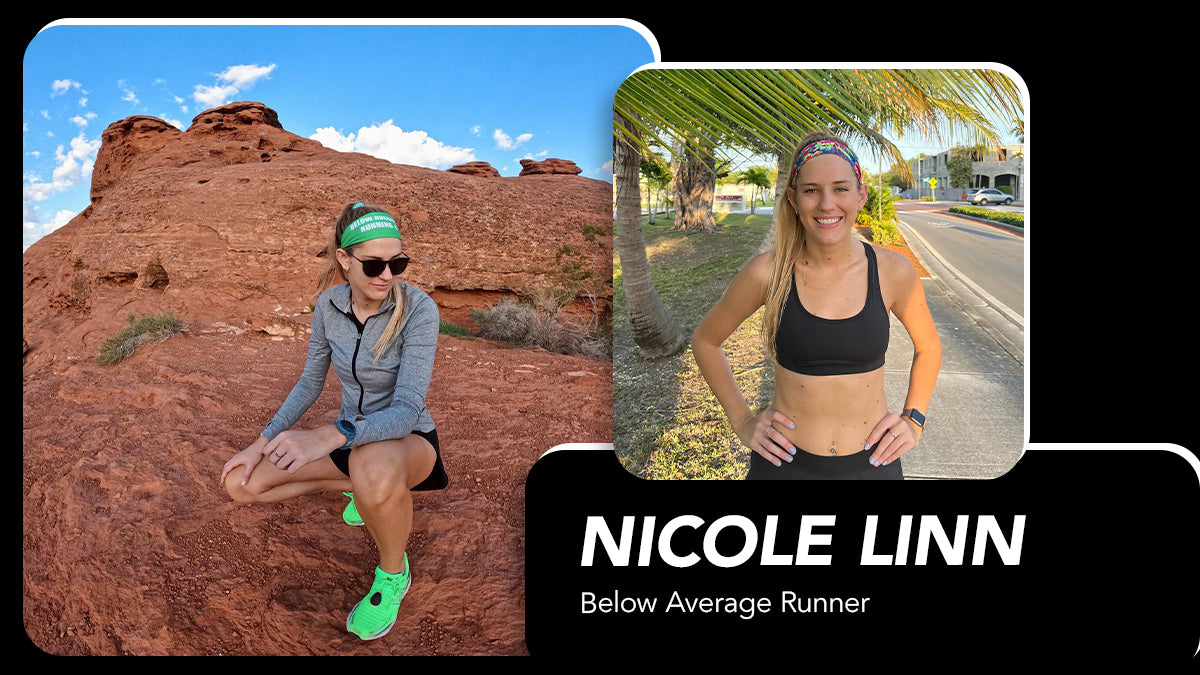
549	167
130	546
475	169
231	219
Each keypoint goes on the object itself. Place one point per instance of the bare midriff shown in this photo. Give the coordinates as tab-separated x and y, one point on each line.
831	412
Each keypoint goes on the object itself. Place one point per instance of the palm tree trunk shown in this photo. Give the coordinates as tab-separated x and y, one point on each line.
782	163
652	327
695	187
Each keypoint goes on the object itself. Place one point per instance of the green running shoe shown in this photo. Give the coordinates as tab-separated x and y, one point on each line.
375	614
350	515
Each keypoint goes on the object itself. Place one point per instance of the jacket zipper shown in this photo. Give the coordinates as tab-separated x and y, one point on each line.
354	359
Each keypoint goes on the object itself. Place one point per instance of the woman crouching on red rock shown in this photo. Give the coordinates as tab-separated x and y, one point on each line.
380	334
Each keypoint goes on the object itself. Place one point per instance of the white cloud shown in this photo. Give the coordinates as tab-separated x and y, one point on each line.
606	168
83	102
231	81
46	114
127	93
61	218
34	230
334	140
173	122
81	121
392	143
211	97
505	142
244	77
475	130
72	168
59	87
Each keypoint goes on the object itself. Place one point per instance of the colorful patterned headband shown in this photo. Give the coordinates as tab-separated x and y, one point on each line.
825	148
374	225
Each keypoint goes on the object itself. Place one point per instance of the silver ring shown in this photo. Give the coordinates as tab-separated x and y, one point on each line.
274	453
892	433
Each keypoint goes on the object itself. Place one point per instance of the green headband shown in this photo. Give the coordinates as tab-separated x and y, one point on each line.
374	225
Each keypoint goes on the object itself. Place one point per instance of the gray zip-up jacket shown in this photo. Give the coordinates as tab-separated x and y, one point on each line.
384	399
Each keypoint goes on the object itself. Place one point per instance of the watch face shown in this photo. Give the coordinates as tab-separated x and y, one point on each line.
917	417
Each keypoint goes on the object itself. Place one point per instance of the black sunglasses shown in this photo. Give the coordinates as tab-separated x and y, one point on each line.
374	268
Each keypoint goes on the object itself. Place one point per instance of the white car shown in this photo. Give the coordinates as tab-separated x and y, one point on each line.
987	195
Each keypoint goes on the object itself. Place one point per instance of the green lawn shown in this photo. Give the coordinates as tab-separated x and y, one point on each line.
666	422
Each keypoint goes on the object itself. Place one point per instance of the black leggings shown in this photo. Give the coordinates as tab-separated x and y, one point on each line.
437	478
807	466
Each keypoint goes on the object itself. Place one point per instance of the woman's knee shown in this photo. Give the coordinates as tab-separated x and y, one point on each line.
378	473
243	494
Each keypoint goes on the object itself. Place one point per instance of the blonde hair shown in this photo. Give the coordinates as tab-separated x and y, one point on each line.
789	241
334	274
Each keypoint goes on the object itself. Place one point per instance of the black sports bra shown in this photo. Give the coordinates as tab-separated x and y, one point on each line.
813	345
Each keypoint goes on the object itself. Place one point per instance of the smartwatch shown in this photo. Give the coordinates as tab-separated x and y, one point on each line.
347	429
914	415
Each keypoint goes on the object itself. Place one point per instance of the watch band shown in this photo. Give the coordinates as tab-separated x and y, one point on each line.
915	415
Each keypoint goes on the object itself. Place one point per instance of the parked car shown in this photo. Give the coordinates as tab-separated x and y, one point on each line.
988	195
968	194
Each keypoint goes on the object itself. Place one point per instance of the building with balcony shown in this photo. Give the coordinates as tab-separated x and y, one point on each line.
1002	166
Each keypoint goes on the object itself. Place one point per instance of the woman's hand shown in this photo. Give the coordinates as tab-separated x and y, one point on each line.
294	448
758	433
895	435
249	458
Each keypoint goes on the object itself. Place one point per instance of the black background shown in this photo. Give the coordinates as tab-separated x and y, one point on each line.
1108	568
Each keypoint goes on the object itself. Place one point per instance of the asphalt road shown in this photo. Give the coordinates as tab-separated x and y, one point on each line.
990	257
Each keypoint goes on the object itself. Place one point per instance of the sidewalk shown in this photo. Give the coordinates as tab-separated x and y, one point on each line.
976	420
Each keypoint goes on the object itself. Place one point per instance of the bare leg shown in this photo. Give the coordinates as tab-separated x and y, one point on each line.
382	475
269	484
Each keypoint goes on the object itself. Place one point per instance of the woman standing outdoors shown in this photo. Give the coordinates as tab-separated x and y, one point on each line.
826	298
380	335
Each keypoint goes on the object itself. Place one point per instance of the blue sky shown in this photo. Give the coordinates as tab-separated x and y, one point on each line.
427	95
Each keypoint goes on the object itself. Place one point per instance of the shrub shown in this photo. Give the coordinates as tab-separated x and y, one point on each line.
536	325
552	299
882	232
885	233
1015	219
879	204
508	321
137	332
447	328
